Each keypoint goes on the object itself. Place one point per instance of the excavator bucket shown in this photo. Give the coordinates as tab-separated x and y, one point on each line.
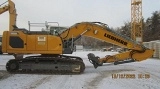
94	60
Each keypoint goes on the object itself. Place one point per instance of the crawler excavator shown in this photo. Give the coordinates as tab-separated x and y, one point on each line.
52	48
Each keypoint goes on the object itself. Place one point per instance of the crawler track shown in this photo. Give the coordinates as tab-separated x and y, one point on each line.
46	64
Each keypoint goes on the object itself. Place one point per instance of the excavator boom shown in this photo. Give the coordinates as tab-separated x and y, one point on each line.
12	13
3	9
99	31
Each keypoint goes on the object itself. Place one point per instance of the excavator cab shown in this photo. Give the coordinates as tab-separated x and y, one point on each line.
56	30
51	28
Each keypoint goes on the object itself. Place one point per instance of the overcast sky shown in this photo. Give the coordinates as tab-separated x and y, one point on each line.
68	12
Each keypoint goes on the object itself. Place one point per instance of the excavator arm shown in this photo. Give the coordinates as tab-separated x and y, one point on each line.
12	13
101	31
4	9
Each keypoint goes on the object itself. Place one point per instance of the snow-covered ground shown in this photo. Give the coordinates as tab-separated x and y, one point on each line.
103	77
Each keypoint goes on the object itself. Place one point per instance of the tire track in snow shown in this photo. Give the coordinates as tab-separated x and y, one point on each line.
150	73
62	82
144	70
2	67
153	73
39	82
104	74
4	74
147	70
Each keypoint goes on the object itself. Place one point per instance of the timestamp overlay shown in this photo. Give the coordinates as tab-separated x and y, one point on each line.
131	76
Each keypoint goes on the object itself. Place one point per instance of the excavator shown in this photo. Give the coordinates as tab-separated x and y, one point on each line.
51	47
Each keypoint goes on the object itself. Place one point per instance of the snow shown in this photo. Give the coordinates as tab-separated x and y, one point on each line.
100	78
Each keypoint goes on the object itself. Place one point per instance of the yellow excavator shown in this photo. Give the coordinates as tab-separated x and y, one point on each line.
53	45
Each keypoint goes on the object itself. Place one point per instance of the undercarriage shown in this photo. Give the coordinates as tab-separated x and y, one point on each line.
60	64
